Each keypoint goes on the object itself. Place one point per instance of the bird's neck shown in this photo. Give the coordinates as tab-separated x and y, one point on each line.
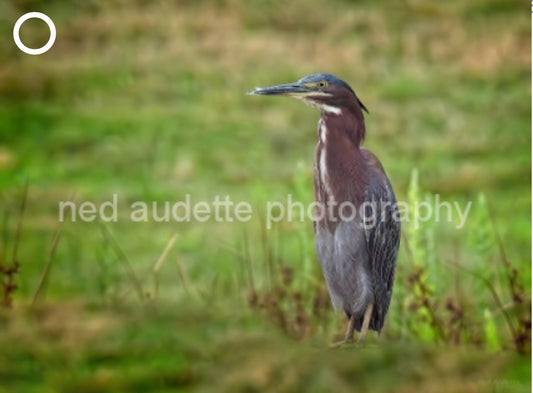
348	121
340	168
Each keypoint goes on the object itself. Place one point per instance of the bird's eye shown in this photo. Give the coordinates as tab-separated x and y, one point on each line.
322	84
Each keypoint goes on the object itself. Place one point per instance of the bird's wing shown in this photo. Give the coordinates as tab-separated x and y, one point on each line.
382	232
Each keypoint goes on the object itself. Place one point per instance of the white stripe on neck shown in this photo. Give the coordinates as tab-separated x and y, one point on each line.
331	109
322	130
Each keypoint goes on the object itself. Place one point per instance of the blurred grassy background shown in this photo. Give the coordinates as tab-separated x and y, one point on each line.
147	100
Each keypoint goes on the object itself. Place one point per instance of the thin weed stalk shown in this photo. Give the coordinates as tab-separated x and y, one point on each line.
43	279
8	271
160	261
124	258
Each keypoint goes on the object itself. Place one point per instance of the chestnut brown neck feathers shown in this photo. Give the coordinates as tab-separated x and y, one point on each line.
338	158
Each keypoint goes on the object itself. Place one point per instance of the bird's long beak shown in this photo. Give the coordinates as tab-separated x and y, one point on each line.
288	89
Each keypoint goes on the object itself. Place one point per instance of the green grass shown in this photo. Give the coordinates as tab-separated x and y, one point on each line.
160	349
148	101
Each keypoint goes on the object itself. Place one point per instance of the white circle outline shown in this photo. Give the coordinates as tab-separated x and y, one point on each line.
42	17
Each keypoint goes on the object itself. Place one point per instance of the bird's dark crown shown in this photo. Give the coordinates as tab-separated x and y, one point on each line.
330	79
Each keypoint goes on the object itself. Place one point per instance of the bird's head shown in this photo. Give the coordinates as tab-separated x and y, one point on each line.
324	91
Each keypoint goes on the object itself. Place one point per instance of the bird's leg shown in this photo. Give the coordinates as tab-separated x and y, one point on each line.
366	323
348	337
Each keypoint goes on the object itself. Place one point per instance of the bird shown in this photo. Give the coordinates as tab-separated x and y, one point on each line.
356	221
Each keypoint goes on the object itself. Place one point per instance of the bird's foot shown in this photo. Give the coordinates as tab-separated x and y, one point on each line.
360	342
342	344
349	343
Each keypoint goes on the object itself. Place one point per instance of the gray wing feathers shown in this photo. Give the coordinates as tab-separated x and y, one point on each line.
382	231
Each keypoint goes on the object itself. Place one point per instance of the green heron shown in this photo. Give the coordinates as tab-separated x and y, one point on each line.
356	223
